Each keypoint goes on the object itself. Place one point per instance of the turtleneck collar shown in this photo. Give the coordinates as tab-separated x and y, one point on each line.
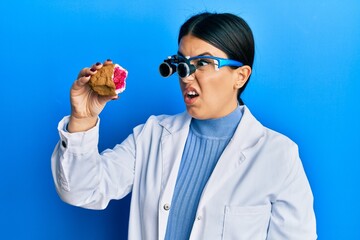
223	127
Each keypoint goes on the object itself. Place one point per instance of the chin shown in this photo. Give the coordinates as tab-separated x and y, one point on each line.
197	114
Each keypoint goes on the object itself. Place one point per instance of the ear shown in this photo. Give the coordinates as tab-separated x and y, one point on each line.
242	74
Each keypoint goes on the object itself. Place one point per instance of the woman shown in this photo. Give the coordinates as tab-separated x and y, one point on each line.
212	172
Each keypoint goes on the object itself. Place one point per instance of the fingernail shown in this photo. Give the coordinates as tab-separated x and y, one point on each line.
97	64
93	69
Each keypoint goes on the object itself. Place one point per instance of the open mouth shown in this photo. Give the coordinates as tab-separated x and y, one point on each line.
192	94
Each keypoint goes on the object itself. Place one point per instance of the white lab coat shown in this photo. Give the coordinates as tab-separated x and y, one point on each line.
258	189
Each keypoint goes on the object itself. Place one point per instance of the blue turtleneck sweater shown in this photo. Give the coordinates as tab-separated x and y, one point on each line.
205	143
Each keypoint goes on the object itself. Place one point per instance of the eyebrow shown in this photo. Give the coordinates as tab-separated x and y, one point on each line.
202	54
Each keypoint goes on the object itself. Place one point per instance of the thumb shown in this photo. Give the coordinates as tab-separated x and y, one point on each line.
105	99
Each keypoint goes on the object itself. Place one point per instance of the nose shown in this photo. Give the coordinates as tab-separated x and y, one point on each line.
188	79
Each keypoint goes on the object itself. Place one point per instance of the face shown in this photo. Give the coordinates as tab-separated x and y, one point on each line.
208	94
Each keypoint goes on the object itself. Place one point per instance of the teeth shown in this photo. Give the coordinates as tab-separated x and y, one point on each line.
192	93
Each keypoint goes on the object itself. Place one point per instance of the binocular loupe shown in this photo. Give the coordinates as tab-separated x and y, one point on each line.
175	64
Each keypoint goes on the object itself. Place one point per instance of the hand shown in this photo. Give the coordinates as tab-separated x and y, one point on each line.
86	104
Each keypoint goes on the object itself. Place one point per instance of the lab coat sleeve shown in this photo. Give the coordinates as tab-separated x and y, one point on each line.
83	177
292	215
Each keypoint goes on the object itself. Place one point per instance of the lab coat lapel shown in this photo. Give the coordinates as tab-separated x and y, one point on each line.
248	133
173	140
172	144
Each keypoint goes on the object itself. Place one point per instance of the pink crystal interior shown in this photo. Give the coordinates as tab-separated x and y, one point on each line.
119	78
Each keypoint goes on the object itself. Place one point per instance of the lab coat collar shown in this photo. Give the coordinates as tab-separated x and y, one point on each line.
248	132
176	122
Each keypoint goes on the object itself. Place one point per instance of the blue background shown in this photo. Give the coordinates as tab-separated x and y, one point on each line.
305	84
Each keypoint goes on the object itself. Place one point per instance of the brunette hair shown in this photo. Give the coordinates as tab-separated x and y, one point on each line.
227	32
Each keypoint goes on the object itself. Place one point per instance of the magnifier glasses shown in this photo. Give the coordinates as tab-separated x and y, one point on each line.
187	66
177	64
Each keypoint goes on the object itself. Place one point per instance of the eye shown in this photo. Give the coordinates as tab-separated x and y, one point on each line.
201	63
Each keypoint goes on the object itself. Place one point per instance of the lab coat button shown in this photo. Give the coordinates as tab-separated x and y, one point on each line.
166	206
199	218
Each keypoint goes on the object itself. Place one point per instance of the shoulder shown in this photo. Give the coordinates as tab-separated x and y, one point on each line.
282	153
273	153
279	139
274	147
270	136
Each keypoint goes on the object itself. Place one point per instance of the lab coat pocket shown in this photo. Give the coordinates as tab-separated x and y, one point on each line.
246	223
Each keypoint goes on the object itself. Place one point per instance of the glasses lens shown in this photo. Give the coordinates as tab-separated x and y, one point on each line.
183	70
166	69
204	64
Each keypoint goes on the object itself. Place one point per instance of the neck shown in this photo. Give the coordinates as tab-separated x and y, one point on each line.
222	127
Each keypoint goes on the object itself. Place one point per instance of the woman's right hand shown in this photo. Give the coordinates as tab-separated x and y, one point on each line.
86	104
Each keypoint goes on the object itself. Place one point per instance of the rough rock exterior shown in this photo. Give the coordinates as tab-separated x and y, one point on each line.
102	81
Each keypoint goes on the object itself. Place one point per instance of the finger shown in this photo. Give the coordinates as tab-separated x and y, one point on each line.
108	62
91	71
97	66
105	99
115	97
83	80
87	71
83	72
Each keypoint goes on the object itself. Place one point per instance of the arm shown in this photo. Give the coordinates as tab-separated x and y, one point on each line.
86	104
85	178
292	215
82	176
